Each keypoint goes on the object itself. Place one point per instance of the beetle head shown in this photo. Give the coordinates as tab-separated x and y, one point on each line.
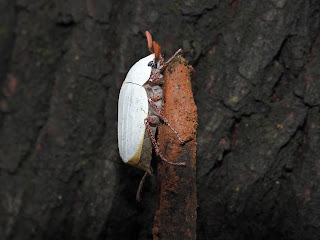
152	64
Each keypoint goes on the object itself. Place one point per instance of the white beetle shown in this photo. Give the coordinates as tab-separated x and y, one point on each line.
139	110
133	108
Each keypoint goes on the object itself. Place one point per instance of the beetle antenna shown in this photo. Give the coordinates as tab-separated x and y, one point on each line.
149	39
157	50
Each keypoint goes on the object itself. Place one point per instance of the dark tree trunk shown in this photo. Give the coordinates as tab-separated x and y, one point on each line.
257	88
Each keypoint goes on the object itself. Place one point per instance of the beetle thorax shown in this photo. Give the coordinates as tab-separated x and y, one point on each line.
155	93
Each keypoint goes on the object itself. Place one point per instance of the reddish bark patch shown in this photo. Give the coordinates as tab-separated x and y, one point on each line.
12	86
176	215
233	8
91	8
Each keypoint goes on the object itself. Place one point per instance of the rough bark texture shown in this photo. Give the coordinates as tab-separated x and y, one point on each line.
256	87
176	213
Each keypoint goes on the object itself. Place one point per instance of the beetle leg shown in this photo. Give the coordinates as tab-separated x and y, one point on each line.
143	179
153	120
156	147
156	77
156	95
161	60
170	59
165	120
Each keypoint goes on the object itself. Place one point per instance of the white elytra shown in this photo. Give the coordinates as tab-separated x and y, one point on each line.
140	72
133	109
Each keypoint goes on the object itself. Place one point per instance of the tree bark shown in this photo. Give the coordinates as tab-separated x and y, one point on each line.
256	86
176	214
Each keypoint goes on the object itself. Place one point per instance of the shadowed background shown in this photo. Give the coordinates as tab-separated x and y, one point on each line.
257	88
